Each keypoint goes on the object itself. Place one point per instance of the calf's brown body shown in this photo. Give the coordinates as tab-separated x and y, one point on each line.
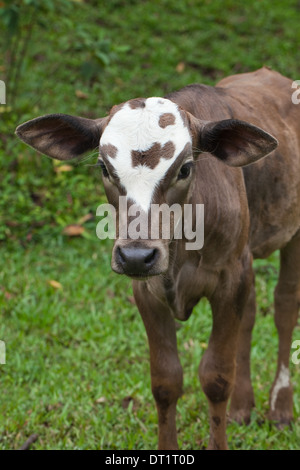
267	193
249	212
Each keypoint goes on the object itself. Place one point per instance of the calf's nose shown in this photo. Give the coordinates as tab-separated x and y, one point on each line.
136	261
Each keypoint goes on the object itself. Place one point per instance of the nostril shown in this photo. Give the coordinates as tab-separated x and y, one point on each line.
136	260
150	258
121	256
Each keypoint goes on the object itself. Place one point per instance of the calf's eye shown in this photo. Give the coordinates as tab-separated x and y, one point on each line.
185	171
103	169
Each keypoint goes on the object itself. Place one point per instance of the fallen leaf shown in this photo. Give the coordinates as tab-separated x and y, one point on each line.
73	230
53	406
180	67
126	401
85	218
110	293
55	284
119	81
80	94
5	109
100	400
189	344
62	168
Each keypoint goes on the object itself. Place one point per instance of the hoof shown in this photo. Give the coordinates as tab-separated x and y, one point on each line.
281	406
240	416
280	419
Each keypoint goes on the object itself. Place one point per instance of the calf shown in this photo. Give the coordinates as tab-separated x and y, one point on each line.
188	148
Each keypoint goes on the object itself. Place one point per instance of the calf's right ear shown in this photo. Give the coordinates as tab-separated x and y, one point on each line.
62	136
237	143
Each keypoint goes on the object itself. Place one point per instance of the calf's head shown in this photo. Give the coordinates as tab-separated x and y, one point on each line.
147	152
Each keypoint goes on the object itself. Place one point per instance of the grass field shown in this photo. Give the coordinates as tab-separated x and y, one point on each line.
77	368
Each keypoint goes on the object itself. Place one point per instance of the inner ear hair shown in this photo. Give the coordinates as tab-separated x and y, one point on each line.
62	136
236	142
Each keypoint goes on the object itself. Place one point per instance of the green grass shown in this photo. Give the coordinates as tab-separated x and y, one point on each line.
76	354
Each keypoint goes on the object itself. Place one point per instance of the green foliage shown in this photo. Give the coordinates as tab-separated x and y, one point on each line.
25	58
19	20
75	353
101	53
83	57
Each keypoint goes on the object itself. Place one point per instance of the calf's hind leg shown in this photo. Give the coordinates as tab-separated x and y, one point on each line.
287	297
242	398
217	367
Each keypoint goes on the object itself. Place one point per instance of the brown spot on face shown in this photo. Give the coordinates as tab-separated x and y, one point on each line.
152	156
137	103
108	150
166	119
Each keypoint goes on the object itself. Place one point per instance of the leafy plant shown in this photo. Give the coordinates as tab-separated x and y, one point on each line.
24	21
19	20
100	52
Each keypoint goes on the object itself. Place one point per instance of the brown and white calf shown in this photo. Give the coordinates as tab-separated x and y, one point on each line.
188	148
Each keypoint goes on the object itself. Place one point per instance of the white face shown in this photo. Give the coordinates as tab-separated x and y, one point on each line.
133	130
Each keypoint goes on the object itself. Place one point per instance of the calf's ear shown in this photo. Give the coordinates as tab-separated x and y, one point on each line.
237	143
62	136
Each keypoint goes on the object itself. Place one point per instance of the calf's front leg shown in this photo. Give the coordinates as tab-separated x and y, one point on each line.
166	371
218	365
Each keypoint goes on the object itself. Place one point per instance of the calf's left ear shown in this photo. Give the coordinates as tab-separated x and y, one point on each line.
237	143
62	136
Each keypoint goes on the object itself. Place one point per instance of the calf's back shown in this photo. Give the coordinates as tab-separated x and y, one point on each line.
262	98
